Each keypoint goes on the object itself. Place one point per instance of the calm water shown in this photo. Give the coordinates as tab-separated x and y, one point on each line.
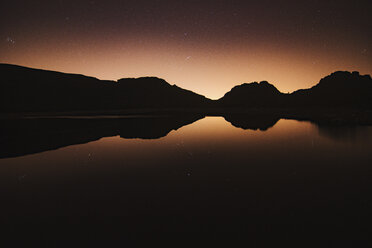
295	182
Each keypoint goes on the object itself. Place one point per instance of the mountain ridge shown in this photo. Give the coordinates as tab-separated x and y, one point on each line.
24	89
339	89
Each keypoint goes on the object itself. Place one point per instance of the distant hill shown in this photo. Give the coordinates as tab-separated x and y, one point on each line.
253	94
338	90
31	90
24	90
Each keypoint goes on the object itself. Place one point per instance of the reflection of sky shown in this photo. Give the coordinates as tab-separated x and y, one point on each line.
287	181
211	140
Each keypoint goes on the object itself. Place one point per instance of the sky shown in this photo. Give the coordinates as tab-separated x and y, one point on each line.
204	46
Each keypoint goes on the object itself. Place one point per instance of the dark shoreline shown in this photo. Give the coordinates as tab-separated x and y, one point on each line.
29	133
334	116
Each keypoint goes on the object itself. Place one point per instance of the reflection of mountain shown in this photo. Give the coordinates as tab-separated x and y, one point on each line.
327	127
351	133
28	136
252	122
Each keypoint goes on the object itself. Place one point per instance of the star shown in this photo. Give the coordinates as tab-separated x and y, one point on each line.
10	40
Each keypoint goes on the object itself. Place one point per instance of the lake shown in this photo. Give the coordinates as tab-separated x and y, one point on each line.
137	179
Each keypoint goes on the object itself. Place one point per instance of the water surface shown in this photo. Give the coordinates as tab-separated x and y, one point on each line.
293	181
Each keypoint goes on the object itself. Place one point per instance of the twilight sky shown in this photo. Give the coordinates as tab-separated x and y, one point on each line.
204	46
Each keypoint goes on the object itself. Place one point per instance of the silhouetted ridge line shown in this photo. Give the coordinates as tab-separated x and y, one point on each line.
26	90
252	94
341	89
31	90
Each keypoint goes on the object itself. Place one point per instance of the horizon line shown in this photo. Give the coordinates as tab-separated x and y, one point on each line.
156	77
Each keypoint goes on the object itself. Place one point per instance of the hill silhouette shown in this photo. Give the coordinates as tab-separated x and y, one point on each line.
32	90
25	90
254	94
339	90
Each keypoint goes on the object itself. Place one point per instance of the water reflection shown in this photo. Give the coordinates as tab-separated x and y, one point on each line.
209	178
20	137
253	122
346	133
26	136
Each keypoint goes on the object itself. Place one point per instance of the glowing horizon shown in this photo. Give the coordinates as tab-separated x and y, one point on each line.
206	47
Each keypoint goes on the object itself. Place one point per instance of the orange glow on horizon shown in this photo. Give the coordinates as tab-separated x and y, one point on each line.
209	69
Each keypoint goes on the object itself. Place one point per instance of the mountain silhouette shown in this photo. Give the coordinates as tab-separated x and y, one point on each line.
339	90
32	90
254	94
340	97
28	136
